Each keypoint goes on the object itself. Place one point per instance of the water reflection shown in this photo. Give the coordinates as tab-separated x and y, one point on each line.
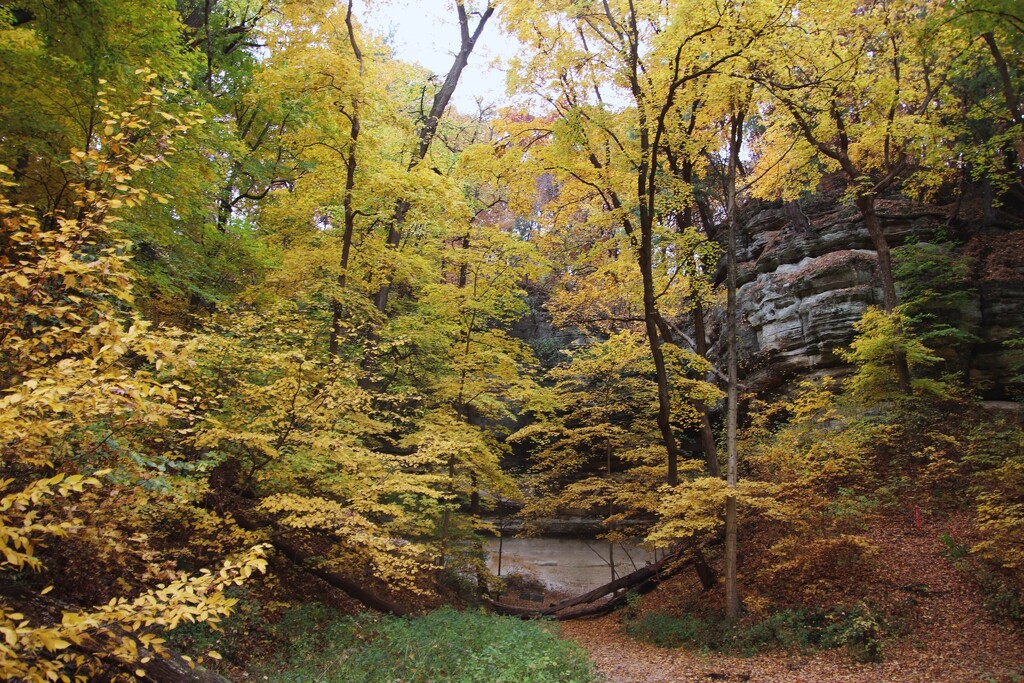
571	565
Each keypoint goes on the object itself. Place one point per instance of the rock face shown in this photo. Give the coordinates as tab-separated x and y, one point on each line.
806	276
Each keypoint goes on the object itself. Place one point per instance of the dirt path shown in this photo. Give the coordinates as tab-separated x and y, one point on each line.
951	637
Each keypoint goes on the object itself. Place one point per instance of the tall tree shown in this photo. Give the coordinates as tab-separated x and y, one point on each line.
984	100
855	89
735	143
428	123
650	54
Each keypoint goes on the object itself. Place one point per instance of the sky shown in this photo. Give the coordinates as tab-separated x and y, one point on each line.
427	32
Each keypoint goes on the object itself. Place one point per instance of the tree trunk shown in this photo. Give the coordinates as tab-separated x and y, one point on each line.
1014	151
294	552
705	573
1010	94
351	165
866	204
732	599
654	340
707	434
707	438
428	128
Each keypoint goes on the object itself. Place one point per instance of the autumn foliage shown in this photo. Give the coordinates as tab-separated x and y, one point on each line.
269	300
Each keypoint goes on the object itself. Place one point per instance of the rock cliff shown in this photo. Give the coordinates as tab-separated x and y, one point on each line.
807	274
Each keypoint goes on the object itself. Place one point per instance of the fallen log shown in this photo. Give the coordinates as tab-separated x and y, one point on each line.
171	668
642	580
293	551
224	481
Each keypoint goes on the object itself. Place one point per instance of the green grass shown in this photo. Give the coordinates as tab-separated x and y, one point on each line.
445	645
855	628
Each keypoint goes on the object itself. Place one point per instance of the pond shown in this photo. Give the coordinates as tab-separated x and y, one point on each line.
570	565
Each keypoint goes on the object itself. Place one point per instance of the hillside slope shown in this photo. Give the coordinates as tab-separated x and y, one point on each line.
945	631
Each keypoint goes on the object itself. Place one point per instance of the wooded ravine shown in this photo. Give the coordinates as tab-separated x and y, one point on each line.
286	337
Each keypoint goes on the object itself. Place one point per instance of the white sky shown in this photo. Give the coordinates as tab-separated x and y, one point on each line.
427	32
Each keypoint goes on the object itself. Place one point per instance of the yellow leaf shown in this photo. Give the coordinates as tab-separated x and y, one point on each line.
52	642
21	280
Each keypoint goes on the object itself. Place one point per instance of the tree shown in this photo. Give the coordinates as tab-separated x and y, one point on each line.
59	62
856	87
85	385
483	372
982	100
594	444
732	598
338	416
428	123
650	54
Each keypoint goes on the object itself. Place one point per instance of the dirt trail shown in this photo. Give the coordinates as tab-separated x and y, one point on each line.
951	637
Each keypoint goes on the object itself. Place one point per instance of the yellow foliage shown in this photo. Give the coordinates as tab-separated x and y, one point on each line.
599	416
80	643
696	507
1000	500
880	337
21	521
85	383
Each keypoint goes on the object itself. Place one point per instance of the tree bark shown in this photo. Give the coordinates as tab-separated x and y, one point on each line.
294	552
732	600
707	434
428	128
1014	152
351	165
1010	94
654	341
866	204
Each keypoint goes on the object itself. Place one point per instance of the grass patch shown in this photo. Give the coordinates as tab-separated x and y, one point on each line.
445	645
953	550
856	628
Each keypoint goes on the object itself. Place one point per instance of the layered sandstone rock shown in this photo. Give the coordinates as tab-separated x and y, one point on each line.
806	277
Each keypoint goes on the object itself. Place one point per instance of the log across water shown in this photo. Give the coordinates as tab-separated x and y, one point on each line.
563	564
608	596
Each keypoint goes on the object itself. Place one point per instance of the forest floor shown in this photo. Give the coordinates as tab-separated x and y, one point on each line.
950	637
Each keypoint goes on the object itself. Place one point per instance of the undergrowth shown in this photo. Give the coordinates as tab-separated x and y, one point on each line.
444	645
856	628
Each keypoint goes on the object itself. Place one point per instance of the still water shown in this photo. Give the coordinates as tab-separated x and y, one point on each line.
571	565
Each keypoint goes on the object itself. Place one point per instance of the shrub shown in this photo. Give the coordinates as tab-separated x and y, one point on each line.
523	583
954	550
856	628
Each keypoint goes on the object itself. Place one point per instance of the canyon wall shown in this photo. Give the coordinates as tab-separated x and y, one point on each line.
807	274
